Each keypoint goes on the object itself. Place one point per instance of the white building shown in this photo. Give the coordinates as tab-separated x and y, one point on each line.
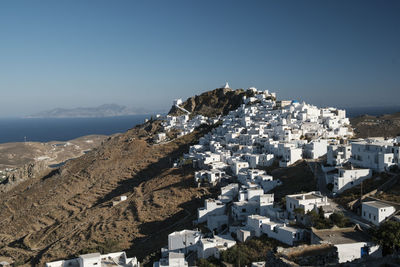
349	177
212	176
376	211
351	243
183	241
211	207
254	222
378	155
338	155
282	232
160	137
229	193
306	201
96	259
239	166
316	148
174	260
247	194
242	209
290	155
211	247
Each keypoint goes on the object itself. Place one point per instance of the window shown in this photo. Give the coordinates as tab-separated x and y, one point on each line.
369	215
374	218
364	213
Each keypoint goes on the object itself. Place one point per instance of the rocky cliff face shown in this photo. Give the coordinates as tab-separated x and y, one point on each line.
213	103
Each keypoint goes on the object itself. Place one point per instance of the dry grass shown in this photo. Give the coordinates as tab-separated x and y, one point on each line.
57	217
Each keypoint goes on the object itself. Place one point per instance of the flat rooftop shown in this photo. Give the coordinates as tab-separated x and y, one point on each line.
311	195
377	204
341	235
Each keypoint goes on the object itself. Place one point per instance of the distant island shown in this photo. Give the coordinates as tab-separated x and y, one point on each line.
106	110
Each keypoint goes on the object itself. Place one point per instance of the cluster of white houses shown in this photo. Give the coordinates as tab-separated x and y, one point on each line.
364	156
258	216
261	132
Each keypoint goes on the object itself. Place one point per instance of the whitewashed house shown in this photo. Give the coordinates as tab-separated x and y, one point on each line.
211	176
183	241
352	243
316	149
376	211
307	201
374	154
229	193
160	137
349	177
239	166
290	155
338	155
246	194
211	207
211	247
255	221
242	209
174	259
282	232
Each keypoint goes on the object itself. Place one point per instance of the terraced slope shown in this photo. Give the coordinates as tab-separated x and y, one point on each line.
70	211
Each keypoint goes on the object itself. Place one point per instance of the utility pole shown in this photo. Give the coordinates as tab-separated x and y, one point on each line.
361	195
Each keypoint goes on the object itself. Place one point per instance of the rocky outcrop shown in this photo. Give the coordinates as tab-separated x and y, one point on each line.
213	103
23	173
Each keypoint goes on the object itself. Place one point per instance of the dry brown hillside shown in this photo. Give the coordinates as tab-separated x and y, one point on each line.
69	211
373	126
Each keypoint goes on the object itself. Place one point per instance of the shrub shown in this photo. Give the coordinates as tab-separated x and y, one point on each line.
340	220
388	236
250	251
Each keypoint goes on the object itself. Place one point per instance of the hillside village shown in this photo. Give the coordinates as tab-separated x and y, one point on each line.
237	156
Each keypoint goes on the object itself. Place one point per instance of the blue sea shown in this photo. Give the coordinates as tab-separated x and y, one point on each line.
352	112
63	129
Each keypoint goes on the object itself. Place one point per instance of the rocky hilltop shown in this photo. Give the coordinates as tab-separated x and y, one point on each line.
70	211
213	103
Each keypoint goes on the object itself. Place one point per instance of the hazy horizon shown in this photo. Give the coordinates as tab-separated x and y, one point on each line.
66	54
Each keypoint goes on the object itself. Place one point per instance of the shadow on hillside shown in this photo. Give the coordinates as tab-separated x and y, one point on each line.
155	169
156	233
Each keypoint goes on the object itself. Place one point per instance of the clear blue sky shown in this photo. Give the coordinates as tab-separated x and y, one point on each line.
146	53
